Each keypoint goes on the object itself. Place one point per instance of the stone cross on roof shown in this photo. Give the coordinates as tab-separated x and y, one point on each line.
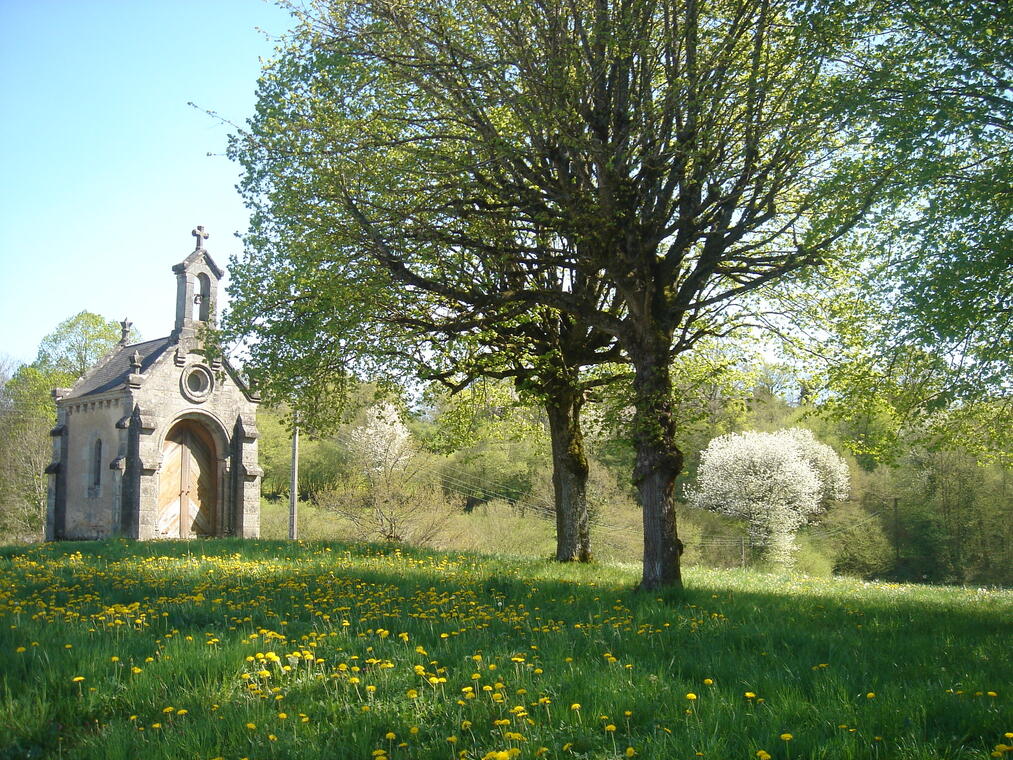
125	326
201	236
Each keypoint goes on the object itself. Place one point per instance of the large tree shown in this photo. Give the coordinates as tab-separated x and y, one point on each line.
680	153
78	342
311	309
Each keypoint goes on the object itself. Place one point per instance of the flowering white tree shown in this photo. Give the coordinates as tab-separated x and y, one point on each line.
394	502
382	445
831	470
773	481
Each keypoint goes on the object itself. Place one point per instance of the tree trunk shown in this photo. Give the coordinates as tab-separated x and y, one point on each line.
658	463
569	478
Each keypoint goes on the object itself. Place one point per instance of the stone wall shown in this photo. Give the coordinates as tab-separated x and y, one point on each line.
93	488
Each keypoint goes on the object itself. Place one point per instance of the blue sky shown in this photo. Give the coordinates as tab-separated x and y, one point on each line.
104	168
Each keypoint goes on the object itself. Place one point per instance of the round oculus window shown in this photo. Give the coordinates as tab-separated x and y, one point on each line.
197	383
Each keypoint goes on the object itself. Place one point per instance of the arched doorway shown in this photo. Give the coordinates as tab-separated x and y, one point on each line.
188	483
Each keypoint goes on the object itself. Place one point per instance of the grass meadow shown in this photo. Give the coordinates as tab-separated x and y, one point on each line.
269	649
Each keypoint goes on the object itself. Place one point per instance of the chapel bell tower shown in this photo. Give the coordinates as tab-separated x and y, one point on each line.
197	279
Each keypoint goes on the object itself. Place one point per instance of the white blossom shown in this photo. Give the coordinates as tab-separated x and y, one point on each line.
773	481
382	444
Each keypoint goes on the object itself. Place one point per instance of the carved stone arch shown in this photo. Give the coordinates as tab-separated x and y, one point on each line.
215	426
194	499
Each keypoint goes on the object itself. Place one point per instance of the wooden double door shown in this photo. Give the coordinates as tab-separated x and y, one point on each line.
188	483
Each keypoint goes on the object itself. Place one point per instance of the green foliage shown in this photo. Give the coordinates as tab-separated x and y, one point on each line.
26	417
620	170
488	411
27	414
859	546
955	518
917	339
274	451
172	641
30	389
78	342
944	75
713	393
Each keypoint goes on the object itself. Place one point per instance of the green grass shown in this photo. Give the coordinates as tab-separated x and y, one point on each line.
215	641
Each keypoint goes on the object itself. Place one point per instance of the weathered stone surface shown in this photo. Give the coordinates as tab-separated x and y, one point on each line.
112	426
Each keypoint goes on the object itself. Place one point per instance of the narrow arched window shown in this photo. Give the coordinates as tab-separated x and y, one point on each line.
202	298
96	466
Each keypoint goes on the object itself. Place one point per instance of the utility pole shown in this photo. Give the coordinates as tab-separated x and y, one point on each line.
896	529
293	491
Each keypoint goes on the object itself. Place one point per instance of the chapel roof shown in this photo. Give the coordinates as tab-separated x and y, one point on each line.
116	367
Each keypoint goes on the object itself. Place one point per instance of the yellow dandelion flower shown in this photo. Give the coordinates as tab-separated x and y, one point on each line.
691	697
708	682
610	727
786	737
630	752
77	679
575	706
252	726
390	736
871	695
763	754
282	716
750	695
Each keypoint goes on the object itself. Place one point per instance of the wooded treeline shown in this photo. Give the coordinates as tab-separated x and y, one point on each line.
938	515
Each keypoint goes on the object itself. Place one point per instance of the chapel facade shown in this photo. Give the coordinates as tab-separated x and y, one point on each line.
157	440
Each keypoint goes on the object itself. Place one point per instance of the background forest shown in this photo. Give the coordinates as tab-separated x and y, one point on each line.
472	470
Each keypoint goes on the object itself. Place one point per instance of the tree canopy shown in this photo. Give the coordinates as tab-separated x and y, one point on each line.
77	343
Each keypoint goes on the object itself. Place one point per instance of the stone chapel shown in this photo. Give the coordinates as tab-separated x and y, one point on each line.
156	440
